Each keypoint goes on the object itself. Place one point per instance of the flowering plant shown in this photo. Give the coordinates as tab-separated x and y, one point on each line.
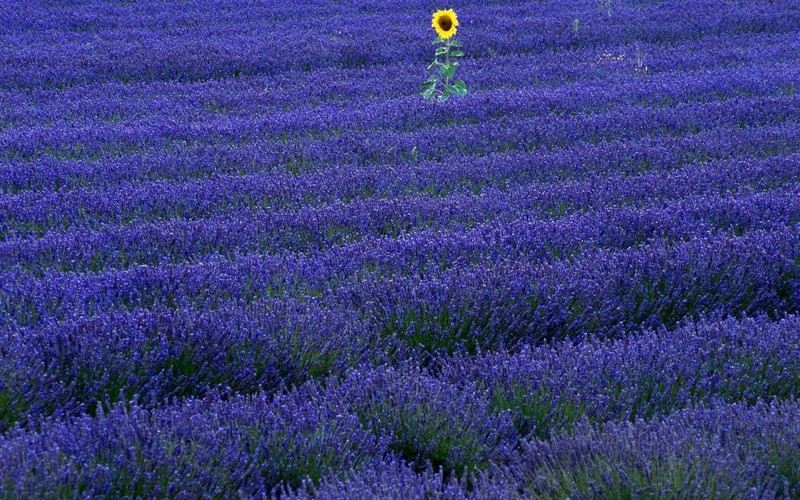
438	86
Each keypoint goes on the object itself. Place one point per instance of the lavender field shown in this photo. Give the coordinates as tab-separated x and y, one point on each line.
242	256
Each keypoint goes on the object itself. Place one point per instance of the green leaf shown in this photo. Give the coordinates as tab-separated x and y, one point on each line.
457	53
441	50
428	94
455	90
447	70
455	43
432	79
438	40
460	84
434	63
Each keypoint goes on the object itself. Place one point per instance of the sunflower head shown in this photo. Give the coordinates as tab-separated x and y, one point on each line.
445	23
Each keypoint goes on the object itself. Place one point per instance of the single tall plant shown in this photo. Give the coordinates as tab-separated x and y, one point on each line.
442	83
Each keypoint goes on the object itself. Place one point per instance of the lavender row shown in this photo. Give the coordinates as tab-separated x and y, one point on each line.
37	212
404	414
199	352
727	451
497	302
239	48
216	156
486	299
75	141
397	479
413	232
550	388
204	447
763	69
252	445
760	357
83	363
731	451
246	277
55	364
284	189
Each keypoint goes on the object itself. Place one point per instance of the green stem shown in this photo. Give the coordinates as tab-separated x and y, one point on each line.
447	62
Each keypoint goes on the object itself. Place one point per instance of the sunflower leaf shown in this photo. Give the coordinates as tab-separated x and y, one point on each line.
460	84
438	40
441	50
448	70
455	43
428	94
457	53
457	89
434	63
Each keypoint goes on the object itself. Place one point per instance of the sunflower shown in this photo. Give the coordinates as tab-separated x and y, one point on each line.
445	23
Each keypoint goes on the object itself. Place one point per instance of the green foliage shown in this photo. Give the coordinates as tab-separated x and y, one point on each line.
12	408
535	412
442	84
602	478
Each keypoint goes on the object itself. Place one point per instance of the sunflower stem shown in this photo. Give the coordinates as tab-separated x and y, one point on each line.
437	87
447	62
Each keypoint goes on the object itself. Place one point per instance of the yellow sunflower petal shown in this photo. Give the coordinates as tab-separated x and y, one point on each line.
445	23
